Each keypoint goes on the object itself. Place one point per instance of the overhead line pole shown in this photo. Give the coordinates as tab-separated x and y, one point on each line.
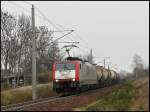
34	95
104	62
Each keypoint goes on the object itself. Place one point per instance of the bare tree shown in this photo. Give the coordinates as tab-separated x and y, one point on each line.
24	35
138	65
43	39
16	45
8	34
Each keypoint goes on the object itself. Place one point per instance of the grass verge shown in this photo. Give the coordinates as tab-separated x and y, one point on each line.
117	100
25	94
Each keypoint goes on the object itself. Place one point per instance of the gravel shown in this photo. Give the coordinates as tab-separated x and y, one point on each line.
73	102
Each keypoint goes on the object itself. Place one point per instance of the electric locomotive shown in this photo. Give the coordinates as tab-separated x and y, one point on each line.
76	74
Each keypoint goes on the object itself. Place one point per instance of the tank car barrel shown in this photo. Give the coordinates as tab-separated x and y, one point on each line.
106	74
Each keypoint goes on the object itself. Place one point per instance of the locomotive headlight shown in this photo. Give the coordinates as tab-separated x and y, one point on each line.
57	80
73	79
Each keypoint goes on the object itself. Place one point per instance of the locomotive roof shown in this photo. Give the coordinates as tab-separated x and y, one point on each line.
72	59
75	59
68	61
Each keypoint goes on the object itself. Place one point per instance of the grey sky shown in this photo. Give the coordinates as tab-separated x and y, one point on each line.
115	29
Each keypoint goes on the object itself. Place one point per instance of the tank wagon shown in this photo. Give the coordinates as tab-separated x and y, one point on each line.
76	74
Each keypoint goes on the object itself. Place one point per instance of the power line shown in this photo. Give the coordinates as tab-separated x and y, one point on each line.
19	6
85	43
83	47
69	42
44	17
23	9
27	3
54	25
81	38
58	28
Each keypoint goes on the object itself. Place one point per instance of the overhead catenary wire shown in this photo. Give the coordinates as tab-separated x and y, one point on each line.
62	27
27	3
81	43
81	39
23	9
44	17
36	8
58	28
51	23
84	44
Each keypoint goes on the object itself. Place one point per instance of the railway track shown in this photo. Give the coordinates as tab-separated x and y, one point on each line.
21	106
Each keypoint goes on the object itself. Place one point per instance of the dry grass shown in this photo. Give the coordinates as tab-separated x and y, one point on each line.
132	96
23	94
117	100
141	100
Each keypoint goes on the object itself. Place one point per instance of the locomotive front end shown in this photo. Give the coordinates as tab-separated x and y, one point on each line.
65	76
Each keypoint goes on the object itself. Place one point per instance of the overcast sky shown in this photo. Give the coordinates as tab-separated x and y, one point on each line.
112	28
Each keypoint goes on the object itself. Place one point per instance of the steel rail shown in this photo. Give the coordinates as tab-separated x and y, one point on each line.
21	106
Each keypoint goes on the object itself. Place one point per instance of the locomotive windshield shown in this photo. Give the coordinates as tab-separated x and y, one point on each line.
68	66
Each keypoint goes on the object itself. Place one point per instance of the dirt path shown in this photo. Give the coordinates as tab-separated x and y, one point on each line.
141	100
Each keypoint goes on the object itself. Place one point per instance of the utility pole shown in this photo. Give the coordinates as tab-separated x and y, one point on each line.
108	67
109	63
104	62
91	56
34	96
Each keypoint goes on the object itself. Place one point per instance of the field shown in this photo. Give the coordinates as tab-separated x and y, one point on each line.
130	96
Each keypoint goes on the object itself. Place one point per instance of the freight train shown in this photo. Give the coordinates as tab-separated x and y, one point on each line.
76	74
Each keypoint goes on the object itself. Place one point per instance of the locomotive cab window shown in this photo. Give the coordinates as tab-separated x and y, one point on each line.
67	66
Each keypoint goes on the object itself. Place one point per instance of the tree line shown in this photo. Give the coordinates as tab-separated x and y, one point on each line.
139	69
16	45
